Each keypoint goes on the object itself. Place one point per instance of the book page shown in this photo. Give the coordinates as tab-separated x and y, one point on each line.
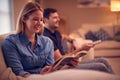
66	60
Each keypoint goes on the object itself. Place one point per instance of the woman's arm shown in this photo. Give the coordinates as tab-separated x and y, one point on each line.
12	57
50	47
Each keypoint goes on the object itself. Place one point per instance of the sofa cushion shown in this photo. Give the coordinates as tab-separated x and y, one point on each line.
90	35
117	36
109	28
108	45
5	72
117	32
74	74
101	34
116	28
9	75
2	62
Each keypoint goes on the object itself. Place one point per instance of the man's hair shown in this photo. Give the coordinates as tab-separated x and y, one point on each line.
48	11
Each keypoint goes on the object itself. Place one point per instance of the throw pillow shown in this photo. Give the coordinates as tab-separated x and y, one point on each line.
117	36
91	36
101	34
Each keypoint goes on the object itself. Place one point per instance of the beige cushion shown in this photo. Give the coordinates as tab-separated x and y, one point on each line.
117	28
2	62
5	72
109	28
9	75
109	44
75	75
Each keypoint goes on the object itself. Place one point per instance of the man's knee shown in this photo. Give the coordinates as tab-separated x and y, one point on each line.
102	60
101	67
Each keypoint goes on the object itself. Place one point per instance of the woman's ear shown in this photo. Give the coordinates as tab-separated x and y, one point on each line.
23	19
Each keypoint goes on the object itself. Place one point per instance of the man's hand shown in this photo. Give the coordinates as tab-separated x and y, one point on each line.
83	44
87	45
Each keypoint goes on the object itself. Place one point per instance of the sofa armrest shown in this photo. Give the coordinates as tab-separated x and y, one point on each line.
9	75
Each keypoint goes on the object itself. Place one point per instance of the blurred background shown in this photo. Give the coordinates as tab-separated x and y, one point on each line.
73	13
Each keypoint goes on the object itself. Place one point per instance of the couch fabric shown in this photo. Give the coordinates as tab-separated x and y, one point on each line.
7	74
108	33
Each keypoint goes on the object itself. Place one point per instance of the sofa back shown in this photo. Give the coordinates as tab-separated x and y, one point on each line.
2	61
6	72
109	28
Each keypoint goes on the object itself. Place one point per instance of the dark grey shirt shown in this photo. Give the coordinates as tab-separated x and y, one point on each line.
56	38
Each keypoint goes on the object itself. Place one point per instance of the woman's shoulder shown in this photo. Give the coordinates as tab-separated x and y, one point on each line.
45	38
12	36
10	39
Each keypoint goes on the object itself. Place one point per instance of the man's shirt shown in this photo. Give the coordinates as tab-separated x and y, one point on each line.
56	38
22	59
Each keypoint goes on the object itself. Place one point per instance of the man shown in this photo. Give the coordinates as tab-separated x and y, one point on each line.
51	21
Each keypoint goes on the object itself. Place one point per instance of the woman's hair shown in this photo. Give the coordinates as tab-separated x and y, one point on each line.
26	11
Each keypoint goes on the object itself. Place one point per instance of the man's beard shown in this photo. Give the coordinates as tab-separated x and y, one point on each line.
54	27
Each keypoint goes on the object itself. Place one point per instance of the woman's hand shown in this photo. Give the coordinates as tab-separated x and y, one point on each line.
46	69
65	67
26	75
75	62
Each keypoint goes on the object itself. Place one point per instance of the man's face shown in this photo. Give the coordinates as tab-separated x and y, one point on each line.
53	20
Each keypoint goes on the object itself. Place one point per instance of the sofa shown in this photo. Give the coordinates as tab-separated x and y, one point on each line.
6	73
108	33
110	45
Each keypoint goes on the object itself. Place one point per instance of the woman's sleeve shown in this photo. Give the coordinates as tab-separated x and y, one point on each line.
12	57
50	58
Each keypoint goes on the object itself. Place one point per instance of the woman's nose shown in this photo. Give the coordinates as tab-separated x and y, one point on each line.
58	19
40	22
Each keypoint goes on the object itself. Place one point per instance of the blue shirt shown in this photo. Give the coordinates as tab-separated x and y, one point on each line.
20	57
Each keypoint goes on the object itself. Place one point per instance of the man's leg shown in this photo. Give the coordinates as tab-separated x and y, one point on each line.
94	66
100	60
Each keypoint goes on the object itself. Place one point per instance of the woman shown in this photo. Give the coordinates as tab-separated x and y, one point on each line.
27	51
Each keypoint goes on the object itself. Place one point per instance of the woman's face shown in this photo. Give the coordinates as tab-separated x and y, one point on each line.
34	22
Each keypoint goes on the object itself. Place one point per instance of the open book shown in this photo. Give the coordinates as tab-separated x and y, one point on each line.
66	59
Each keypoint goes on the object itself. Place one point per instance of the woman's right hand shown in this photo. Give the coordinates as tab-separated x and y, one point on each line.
46	69
26	75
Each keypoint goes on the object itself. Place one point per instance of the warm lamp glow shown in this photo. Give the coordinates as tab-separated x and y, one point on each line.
115	5
30	0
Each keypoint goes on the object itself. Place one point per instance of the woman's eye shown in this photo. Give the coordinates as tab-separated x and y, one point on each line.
41	19
36	19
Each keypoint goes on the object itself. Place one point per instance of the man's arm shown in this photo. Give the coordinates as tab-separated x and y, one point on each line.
69	39
57	54
78	43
